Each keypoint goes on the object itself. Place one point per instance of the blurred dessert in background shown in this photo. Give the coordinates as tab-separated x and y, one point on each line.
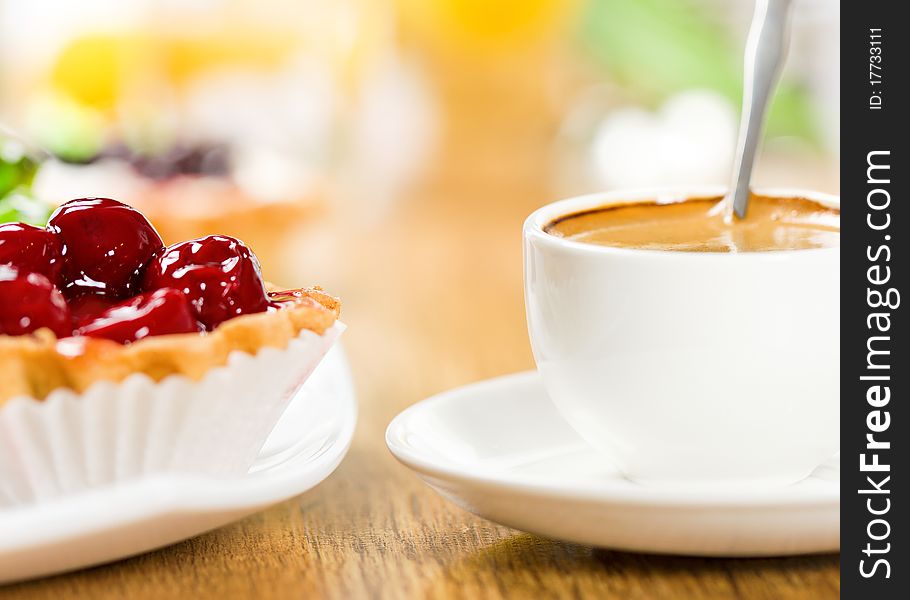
193	191
230	120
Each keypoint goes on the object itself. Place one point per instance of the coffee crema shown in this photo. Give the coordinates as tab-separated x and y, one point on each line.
698	225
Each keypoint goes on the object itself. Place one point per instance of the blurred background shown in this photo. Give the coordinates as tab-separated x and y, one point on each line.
390	149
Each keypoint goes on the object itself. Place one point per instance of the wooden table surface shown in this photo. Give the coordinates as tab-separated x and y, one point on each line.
432	296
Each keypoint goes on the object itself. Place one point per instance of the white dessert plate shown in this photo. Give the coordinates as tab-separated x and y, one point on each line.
500	449
119	521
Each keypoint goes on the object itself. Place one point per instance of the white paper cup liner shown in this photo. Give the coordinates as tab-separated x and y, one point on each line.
118	431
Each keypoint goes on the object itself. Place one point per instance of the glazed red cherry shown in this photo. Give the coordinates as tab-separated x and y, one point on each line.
105	246
29	301
161	312
30	249
220	275
87	307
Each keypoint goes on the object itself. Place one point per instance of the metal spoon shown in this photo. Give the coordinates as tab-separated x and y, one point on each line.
766	49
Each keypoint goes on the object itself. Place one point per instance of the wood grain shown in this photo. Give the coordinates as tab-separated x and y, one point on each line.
432	291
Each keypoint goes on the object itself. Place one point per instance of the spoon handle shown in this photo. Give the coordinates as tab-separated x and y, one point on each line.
766	49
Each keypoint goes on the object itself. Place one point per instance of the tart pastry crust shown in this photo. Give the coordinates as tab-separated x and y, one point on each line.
36	365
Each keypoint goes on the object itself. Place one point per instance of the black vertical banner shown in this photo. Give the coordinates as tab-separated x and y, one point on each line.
875	375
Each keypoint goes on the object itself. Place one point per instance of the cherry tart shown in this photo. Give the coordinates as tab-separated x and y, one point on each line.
97	295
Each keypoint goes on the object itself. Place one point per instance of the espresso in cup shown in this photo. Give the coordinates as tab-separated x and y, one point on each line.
713	362
699	225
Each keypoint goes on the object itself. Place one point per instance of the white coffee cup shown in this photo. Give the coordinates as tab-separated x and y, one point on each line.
683	367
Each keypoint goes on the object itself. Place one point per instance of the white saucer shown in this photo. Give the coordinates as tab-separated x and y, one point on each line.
112	523
500	450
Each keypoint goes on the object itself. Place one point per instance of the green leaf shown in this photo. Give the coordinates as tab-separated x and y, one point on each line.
16	168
